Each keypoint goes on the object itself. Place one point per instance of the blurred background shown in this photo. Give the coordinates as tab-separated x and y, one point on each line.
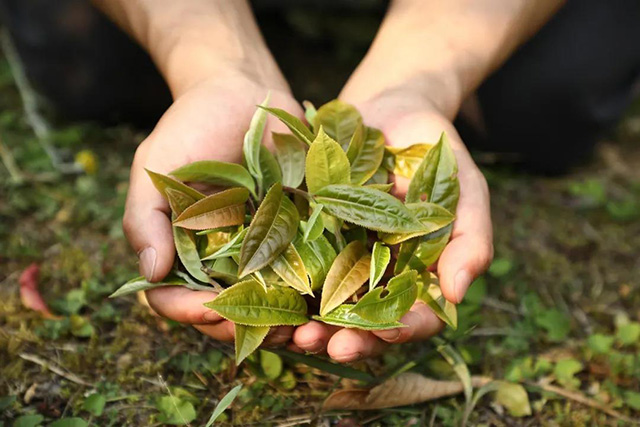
560	304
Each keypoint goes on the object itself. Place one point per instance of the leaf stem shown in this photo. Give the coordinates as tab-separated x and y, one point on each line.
298	192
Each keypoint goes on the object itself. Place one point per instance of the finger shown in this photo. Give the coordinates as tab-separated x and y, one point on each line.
183	305
470	250
146	223
313	336
349	345
292	347
421	323
278	336
223	331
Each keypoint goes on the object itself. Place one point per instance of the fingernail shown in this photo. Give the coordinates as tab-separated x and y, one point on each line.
346	358
313	347
211	316
147	262
389	335
461	283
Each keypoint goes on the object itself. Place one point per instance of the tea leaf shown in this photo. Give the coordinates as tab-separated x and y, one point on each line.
406	160
290	268
248	339
224	269
344	316
273	227
339	120
421	252
317	256
326	164
430	293
222	209
253	141
433	217
295	125
269	168
216	173
380	257
315	226
291	157
162	182
247	303
231	248
402	292
184	240
368	208
366	157
381	187
436	179
309	111
380	177
142	284
348	272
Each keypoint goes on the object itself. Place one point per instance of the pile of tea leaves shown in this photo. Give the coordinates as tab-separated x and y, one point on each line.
308	231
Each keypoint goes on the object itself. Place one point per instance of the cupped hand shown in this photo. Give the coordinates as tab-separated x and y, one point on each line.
406	119
207	122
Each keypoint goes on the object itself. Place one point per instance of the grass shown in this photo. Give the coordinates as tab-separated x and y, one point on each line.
558	307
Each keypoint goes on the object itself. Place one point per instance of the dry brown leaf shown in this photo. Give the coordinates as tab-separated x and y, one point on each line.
405	389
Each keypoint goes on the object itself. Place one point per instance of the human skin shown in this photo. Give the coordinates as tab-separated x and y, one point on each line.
428	56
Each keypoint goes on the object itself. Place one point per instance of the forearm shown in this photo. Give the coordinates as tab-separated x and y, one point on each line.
445	49
192	40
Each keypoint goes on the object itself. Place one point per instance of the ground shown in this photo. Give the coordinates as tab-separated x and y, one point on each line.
558	308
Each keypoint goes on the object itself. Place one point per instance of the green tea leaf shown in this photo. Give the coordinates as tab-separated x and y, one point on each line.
295	125
436	179
223	209
366	157
368	208
291	157
317	256
401	294
184	240
433	217
271	364
216	173
162	182
141	284
381	187
380	177
315	226
339	120
224	403
273	227
290	268
380	257
248	339
406	160
421	252
430	293
247	303
230	248
348	272
309	111
253	141
344	316
269	168
224	269
326	164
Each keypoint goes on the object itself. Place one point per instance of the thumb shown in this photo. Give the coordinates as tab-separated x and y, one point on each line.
146	223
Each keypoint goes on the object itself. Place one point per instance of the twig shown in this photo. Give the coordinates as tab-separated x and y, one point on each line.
582	399
7	159
500	305
53	368
173	399
297	191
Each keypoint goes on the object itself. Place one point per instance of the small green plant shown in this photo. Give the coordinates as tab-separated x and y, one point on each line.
307	232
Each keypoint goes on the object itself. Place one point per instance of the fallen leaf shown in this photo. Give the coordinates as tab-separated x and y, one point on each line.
29	293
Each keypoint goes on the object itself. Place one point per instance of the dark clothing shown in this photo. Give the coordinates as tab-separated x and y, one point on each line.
548	104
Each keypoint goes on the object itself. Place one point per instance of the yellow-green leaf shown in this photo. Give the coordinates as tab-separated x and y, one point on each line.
365	156
380	257
216	173
295	125
344	316
326	164
339	119
309	111
222	209
253	141
401	292
248	339
248	303
433	217
273	227
421	252
348	272
315	226
231	248
290	268
406	160
430	293
317	256
291	157
162	182
368	208
513	397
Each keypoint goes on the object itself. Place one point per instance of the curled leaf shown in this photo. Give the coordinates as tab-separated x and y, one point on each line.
162	182
406	160
29	293
231	248
295	125
216	173
290	268
222	209
253	141
430	293
348	272
380	257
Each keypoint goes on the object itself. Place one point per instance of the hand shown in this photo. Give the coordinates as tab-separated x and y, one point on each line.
406	119
206	122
